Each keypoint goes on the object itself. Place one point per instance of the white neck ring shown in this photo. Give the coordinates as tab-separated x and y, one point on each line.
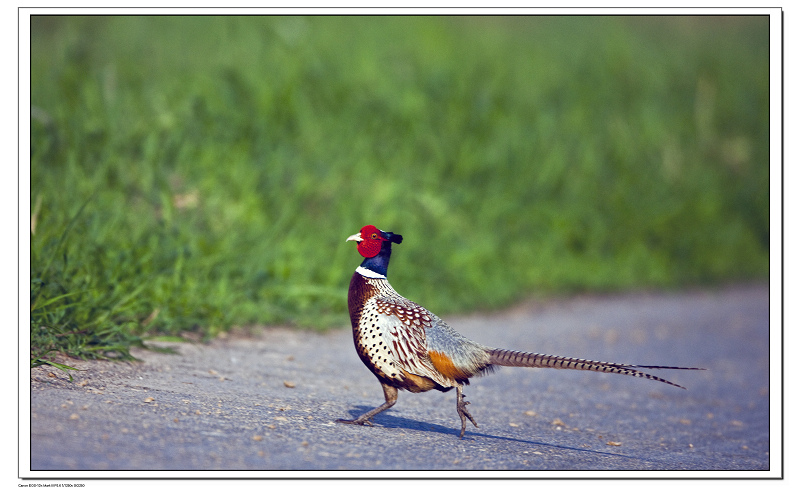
369	273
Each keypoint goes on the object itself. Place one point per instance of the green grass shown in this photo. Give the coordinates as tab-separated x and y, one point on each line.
193	174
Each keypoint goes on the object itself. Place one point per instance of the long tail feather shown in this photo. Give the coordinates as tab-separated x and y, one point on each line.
505	357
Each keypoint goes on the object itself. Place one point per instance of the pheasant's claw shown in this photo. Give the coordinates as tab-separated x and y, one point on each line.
461	407
356	421
462	411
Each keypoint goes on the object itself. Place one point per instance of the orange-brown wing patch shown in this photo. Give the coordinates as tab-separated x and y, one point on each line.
446	367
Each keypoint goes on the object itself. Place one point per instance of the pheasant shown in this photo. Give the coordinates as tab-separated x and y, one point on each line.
408	347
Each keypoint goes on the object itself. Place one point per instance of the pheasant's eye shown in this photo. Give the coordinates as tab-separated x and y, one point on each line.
374	236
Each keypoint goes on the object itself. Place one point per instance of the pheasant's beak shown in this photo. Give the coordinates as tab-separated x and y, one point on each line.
356	237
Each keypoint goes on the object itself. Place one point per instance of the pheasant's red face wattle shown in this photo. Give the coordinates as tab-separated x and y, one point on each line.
371	241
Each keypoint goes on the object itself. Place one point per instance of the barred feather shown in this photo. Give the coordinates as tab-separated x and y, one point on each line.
505	357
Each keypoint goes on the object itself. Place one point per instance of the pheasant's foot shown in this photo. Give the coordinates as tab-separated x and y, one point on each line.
461	407
357	421
366	419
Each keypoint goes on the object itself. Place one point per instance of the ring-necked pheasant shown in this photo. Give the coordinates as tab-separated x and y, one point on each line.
408	347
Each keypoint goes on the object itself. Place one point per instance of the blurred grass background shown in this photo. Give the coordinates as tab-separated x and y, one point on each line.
193	174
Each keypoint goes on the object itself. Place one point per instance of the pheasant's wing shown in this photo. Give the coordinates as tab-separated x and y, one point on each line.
427	346
405	326
453	354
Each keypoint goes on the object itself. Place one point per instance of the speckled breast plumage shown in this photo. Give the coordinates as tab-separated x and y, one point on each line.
404	344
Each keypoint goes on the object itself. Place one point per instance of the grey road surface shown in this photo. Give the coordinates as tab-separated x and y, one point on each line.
269	402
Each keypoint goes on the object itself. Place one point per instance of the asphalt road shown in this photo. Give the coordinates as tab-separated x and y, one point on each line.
269	402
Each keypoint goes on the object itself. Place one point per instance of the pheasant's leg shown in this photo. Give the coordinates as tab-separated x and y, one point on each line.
390	393
461	407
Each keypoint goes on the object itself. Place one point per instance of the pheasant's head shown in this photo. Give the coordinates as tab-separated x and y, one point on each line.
371	239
